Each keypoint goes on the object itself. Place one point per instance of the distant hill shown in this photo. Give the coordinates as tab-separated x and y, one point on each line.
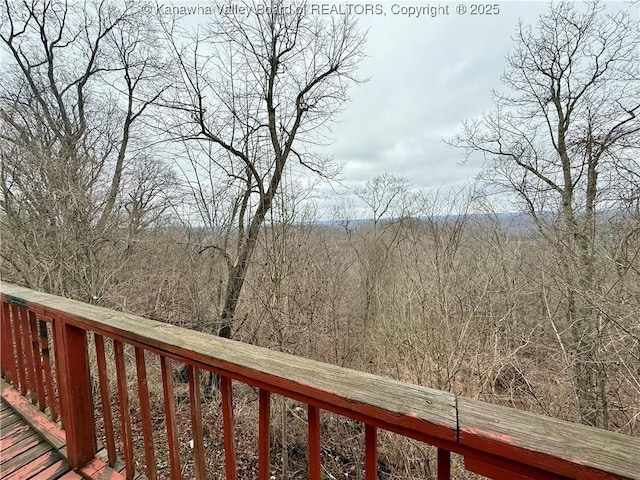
516	222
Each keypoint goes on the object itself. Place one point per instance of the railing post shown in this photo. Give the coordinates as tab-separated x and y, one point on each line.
76	401
264	443
370	452
315	465
444	464
8	356
21	382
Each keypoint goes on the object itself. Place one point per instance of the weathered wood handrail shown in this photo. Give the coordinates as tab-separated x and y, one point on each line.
495	441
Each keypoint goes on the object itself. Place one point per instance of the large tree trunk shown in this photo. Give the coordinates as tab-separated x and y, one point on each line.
589	372
589	376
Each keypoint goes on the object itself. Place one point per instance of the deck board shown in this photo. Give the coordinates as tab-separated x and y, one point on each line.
24	454
19	447
8	423
34	447
13	435
4	413
25	459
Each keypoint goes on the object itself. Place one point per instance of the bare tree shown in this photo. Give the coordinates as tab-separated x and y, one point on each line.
257	88
558	138
78	81
388	203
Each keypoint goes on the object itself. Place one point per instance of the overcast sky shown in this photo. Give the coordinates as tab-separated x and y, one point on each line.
426	75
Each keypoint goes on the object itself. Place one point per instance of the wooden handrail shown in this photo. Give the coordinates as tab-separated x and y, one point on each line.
495	441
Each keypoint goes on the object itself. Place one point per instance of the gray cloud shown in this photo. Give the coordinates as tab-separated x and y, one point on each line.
426	76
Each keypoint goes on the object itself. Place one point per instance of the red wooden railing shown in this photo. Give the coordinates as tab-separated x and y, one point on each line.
27	362
90	342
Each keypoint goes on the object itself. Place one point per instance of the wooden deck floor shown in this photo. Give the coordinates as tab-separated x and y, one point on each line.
33	446
24	454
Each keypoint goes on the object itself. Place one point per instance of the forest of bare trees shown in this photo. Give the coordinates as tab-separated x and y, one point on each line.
151	168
